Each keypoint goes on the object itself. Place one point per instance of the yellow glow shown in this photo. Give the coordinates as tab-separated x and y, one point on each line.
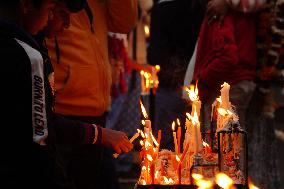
222	111
157	67
252	186
196	176
224	180
177	158
154	140
204	184
205	144
149	157
173	126
147	30
192	93
143	110
178	122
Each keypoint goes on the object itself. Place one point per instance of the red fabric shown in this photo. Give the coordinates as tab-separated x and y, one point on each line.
227	52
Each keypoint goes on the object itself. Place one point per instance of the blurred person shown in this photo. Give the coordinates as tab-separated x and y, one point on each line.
260	117
82	85
173	33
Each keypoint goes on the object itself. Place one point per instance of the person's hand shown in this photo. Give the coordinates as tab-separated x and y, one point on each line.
116	140
216	10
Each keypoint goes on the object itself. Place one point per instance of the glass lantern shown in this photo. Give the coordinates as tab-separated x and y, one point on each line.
233	153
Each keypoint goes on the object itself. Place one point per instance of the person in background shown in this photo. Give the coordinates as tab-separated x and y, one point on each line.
125	113
259	114
83	81
173	33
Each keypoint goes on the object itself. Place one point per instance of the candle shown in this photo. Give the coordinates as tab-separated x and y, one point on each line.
175	137
178	135
225	98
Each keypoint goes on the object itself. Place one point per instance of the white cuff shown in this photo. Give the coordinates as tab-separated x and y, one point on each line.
96	134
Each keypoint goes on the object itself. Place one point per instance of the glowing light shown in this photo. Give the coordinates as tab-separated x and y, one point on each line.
143	110
224	180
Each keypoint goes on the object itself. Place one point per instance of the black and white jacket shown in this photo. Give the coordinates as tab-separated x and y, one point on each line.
28	126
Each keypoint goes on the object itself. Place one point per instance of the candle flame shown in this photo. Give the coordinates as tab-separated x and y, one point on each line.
147	30
177	158
143	122
196	176
224	181
178	122
144	168
143	110
192	92
205	144
149	157
251	185
173	126
141	143
157	67
204	184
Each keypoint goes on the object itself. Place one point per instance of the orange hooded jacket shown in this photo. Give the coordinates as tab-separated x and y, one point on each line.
83	73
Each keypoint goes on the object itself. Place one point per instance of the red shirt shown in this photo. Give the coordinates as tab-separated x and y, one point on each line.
226	53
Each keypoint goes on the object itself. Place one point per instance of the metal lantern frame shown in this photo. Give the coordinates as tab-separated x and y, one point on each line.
235	129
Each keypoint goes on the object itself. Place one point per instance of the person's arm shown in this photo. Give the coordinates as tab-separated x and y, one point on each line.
121	15
75	132
220	61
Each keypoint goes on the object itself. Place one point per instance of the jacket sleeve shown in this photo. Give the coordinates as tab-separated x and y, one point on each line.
121	15
74	132
223	57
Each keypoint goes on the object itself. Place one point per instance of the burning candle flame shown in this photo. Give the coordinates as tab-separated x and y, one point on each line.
177	158
147	30
178	122
141	143
196	176
224	181
143	122
204	184
157	67
205	144
173	126
192	92
251	185
143	110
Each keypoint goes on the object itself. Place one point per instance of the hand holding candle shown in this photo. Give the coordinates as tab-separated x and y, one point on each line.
131	141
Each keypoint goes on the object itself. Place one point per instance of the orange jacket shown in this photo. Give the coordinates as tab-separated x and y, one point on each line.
83	75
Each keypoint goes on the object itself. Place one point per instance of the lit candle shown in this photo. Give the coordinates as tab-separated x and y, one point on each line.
175	137
225	98
178	135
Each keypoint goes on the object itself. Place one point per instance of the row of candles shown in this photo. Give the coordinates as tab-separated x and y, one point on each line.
192	144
